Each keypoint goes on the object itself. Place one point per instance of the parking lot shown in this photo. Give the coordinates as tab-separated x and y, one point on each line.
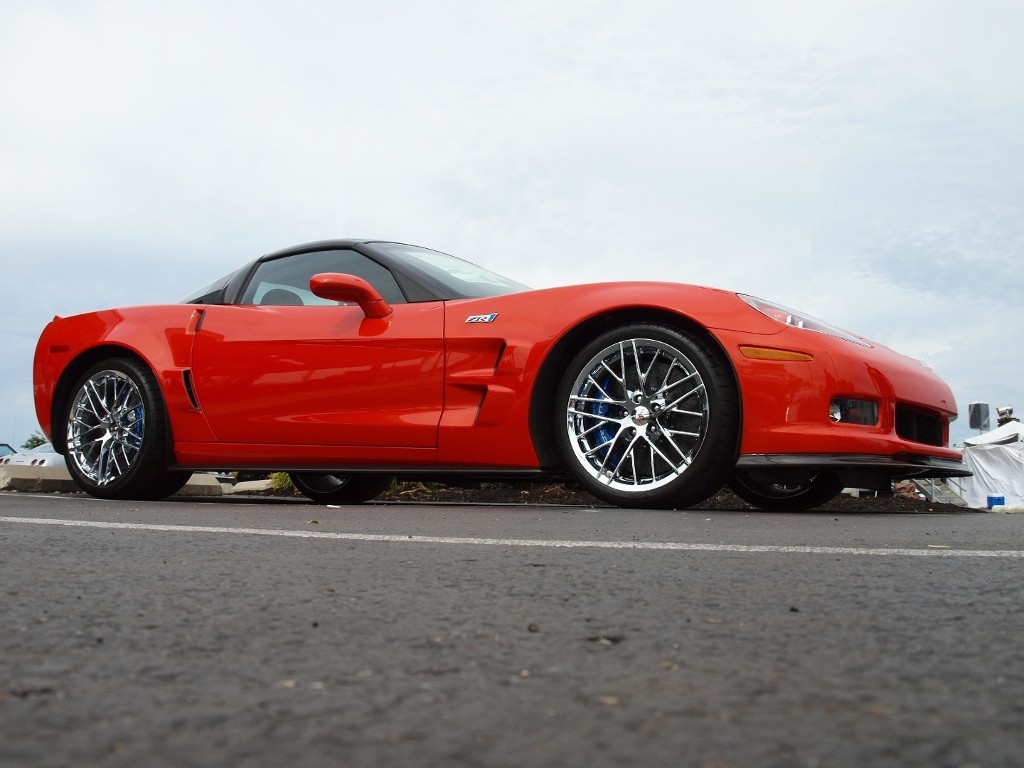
269	632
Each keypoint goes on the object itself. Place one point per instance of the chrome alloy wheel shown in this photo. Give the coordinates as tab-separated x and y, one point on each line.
637	415
106	426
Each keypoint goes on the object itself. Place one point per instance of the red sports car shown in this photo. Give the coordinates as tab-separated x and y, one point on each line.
350	362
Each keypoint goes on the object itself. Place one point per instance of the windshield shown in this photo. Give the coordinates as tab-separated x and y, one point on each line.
462	277
207	293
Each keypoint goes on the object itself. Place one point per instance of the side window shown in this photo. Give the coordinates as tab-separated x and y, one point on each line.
285	281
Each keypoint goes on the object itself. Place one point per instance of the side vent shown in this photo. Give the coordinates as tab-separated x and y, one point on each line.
186	377
501	352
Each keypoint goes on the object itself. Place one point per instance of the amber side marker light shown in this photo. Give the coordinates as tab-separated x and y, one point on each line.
770	353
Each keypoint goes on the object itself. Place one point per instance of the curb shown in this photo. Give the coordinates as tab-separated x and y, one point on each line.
25	479
14	477
248	486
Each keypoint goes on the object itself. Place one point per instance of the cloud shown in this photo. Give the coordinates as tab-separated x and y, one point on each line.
855	160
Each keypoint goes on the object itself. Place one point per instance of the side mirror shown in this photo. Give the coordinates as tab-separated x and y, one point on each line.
335	286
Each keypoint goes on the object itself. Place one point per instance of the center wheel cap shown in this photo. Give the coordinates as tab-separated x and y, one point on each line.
641	415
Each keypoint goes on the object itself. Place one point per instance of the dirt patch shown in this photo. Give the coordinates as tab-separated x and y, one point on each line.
565	493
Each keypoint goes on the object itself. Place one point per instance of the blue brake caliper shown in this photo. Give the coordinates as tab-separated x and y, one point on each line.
607	432
138	419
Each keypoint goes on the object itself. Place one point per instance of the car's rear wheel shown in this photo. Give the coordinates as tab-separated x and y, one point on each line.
330	488
786	497
648	416
116	432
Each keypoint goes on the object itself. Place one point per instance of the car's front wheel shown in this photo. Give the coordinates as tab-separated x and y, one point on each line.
786	497
648	416
330	488
116	433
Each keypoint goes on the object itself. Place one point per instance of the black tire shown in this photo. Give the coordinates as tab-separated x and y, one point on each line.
330	488
647	416
787	497
116	433
171	484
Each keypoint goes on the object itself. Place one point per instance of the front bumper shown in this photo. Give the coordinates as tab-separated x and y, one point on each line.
786	407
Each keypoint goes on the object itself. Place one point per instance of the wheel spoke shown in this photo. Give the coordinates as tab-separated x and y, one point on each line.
103	462
94	400
612	373
678	400
85	428
684	461
598	400
596	427
636	364
665	386
599	388
597	449
694	414
598	416
628	451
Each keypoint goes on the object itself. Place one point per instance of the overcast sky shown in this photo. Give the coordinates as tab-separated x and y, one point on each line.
860	161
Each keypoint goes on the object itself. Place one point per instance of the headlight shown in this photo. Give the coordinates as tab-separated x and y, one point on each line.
790	317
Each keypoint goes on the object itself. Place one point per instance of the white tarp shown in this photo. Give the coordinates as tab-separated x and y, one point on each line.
1010	432
998	471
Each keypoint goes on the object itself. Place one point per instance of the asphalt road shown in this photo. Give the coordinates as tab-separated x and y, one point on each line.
194	633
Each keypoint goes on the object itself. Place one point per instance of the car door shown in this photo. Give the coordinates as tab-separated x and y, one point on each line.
285	367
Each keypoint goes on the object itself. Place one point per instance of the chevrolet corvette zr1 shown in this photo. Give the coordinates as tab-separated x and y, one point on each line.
350	362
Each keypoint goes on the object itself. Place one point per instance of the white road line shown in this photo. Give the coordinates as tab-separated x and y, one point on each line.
410	539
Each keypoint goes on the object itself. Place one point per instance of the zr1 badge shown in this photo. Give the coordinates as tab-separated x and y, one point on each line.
482	318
